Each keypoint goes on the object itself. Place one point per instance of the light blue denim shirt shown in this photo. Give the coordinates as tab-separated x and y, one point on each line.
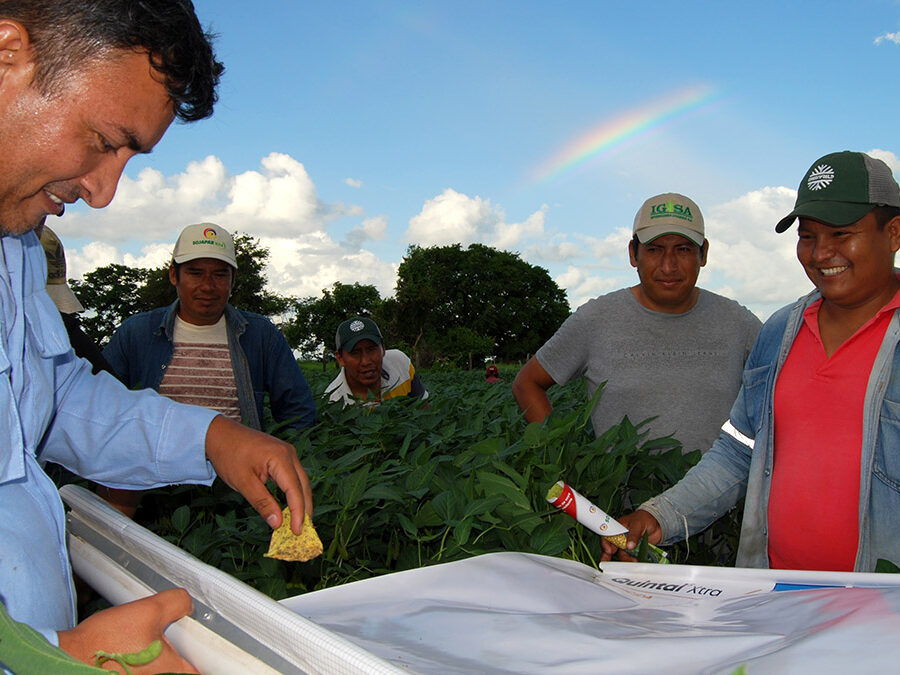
740	461
52	408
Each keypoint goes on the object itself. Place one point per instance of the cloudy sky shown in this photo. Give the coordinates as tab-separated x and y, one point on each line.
348	131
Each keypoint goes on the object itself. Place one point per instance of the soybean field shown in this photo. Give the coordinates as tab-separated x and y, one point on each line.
402	485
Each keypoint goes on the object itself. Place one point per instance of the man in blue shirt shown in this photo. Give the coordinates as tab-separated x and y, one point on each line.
84	86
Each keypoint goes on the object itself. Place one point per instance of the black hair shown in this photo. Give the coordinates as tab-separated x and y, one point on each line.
635	242
884	215
68	34
177	268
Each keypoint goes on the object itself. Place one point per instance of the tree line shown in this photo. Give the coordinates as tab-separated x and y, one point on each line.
452	305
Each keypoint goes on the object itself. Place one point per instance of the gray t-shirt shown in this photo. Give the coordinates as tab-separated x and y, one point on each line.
684	369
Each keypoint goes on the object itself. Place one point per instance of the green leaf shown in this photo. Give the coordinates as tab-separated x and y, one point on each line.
408	526
420	476
476	507
383	491
461	532
427	516
404	447
518	479
488	446
886	567
448	506
533	434
354	486
549	538
181	518
24	650
494	484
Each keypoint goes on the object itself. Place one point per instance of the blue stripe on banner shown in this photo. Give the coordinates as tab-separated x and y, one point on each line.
801	587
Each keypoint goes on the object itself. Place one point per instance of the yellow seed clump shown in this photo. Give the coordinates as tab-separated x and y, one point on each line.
285	545
619	540
555	491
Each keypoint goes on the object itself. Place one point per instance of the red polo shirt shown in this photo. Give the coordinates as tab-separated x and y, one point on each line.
814	500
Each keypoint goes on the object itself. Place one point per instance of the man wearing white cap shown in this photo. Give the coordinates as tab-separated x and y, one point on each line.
202	350
664	348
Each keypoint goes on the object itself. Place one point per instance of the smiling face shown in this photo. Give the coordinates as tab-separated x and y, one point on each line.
203	286
852	266
668	268
362	367
73	143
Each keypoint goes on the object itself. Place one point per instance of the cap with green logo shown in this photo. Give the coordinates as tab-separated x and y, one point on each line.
204	240
353	330
669	213
842	187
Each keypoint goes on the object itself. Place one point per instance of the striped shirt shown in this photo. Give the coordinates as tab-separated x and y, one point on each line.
200	371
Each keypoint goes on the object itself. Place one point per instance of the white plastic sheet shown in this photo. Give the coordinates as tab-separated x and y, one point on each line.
123	561
510	613
521	613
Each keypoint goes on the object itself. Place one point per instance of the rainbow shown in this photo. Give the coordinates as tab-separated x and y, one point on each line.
611	133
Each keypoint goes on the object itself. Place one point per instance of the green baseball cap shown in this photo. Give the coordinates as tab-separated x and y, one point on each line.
353	330
842	187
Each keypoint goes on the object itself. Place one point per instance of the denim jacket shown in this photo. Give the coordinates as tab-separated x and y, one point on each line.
740	461
141	349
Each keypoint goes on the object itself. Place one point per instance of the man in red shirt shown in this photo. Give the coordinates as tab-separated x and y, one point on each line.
813	436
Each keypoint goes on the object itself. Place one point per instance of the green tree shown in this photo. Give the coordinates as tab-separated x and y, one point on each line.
298	327
109	294
250	292
315	320
464	347
112	293
494	294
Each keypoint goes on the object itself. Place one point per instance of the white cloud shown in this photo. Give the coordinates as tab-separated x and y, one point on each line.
353	182
510	235
554	251
152	206
98	254
451	218
281	195
304	265
90	257
456	218
748	260
152	255
371	228
581	285
612	248
279	204
888	37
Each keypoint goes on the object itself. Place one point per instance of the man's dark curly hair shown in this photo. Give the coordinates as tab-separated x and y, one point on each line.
69	34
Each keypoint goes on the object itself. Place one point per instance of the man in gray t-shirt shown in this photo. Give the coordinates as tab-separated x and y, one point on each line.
665	348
